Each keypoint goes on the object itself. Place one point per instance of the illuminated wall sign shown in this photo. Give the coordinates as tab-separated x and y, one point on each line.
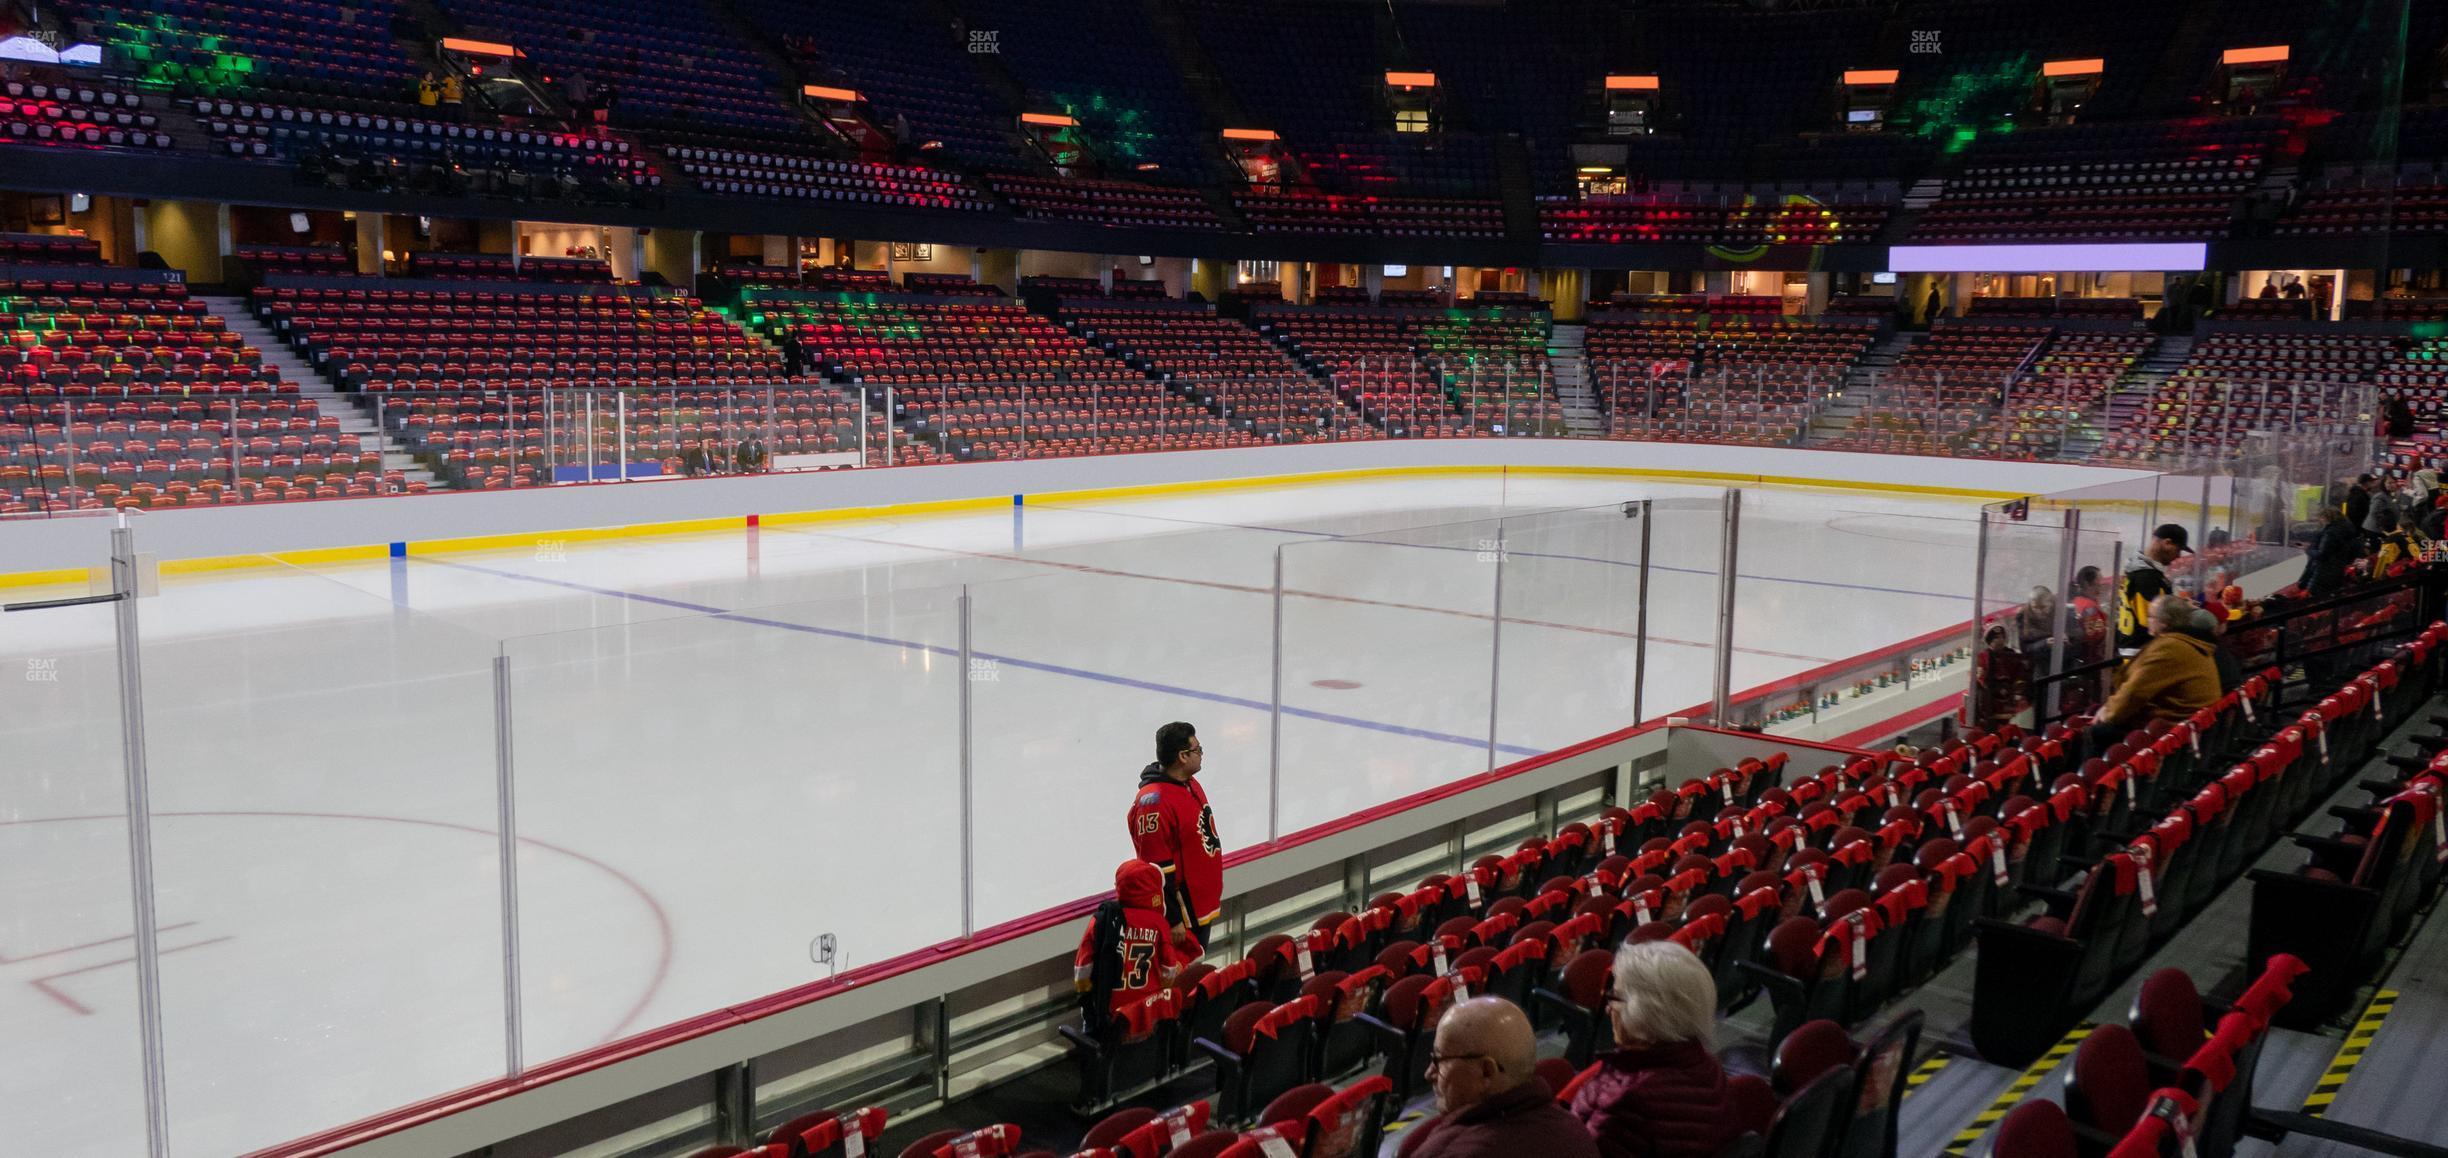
29	48
1865	77
477	47
1621	83
1250	135
824	93
2104	257
2091	67
1411	79
1057	120
2270	54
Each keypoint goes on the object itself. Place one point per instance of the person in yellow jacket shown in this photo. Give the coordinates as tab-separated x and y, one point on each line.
2174	676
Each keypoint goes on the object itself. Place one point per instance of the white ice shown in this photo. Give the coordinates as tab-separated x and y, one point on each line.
728	744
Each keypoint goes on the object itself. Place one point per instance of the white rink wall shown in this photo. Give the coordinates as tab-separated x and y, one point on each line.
52	544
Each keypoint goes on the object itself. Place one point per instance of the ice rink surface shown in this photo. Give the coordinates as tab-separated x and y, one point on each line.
726	745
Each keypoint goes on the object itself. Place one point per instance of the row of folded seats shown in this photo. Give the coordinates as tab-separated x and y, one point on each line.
46	112
1667	412
2175	1079
765	169
2169	817
117	395
1369	216
1224	364
2327	210
504	267
1656	219
1089	287
248	128
1118	203
1315	1120
47	249
2060	306
306	260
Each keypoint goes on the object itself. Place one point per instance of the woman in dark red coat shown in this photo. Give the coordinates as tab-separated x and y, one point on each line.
1662	1095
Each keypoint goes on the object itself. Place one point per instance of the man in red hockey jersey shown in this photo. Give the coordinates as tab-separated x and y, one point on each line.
1128	953
1172	828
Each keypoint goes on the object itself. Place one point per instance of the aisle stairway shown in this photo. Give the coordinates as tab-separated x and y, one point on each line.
2132	394
1568	366
355	417
1860	388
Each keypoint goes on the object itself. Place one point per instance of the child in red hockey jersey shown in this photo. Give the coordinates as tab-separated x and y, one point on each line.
1128	953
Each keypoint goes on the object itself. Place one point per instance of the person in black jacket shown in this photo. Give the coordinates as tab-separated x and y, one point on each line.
2145	580
2359	500
2331	553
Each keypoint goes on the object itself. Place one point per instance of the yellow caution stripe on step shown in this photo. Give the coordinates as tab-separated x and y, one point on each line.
2022	1087
2350	1053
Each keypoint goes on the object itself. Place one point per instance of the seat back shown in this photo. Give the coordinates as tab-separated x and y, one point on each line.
1346	1124
2036	1129
1807	1116
2107	1084
1752	1101
2166	1019
1878	1089
1295	1103
1208	1145
1810	1050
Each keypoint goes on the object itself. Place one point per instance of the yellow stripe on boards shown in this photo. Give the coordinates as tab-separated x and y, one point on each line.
66	577
528	540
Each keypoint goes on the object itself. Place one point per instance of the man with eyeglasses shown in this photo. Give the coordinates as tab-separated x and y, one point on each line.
1172	827
1490	1101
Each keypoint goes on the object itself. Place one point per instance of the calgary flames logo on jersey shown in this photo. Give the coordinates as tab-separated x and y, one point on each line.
1207	832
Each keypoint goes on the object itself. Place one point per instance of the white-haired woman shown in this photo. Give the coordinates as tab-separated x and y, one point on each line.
1661	1094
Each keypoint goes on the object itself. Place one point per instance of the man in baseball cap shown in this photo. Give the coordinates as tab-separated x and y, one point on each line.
2146	579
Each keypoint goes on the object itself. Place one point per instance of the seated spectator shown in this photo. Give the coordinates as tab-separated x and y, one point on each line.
1662	1095
1999	684
2171	678
1490	1101
2207	625
2036	623
1127	953
2398	546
